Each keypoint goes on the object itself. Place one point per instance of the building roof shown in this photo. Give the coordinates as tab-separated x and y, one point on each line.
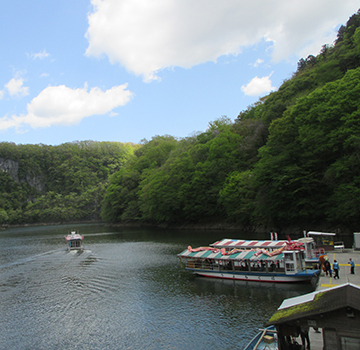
316	303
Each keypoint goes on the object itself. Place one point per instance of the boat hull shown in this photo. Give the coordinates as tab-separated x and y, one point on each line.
254	277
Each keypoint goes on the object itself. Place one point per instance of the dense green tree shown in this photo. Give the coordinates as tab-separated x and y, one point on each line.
219	156
238	198
58	183
310	159
122	201
3	216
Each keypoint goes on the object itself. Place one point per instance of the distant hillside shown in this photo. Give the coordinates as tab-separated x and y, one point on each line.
40	183
290	159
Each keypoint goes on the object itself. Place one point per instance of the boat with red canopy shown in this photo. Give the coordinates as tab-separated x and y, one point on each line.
262	261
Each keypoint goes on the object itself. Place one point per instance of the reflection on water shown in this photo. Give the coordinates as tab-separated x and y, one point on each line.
126	290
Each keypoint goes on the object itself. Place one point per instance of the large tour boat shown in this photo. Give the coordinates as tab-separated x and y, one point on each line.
262	261
307	244
74	240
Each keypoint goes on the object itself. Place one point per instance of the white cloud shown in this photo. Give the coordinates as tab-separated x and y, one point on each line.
258	62
39	55
113	114
60	105
258	86
147	36
15	87
1	94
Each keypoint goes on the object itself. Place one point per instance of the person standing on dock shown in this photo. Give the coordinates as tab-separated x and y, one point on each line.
327	266
352	266
336	269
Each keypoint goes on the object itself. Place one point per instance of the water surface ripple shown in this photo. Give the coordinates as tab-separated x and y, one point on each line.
126	290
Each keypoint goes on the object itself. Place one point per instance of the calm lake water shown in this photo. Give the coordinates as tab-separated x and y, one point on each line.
126	290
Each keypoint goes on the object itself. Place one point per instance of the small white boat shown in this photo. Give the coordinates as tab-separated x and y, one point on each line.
74	240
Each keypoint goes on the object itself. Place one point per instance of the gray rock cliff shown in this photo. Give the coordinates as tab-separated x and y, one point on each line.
12	167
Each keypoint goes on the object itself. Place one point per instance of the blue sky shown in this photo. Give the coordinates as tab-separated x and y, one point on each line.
127	70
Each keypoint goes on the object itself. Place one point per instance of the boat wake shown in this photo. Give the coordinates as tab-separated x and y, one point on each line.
31	258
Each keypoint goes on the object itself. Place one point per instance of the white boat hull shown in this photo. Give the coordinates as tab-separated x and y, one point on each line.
253	277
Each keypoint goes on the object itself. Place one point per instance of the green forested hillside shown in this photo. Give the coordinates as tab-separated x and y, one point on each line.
291	159
40	183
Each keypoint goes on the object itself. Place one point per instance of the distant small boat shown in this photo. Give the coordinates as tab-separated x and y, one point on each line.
74	240
265	339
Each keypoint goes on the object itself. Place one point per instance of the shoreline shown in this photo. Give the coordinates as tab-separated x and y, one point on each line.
5	226
293	231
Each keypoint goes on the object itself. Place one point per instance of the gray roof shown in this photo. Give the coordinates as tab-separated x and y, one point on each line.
320	302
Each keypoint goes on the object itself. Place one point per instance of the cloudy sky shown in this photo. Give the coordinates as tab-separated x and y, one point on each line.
125	70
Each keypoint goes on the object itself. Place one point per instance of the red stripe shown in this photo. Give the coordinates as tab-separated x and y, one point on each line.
227	242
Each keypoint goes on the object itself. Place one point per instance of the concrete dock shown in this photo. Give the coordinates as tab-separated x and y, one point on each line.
342	257
324	282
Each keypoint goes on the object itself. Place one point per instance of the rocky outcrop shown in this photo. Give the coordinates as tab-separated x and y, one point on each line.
35	181
12	167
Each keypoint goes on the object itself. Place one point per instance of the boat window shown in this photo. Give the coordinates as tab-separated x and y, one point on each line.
290	267
289	256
